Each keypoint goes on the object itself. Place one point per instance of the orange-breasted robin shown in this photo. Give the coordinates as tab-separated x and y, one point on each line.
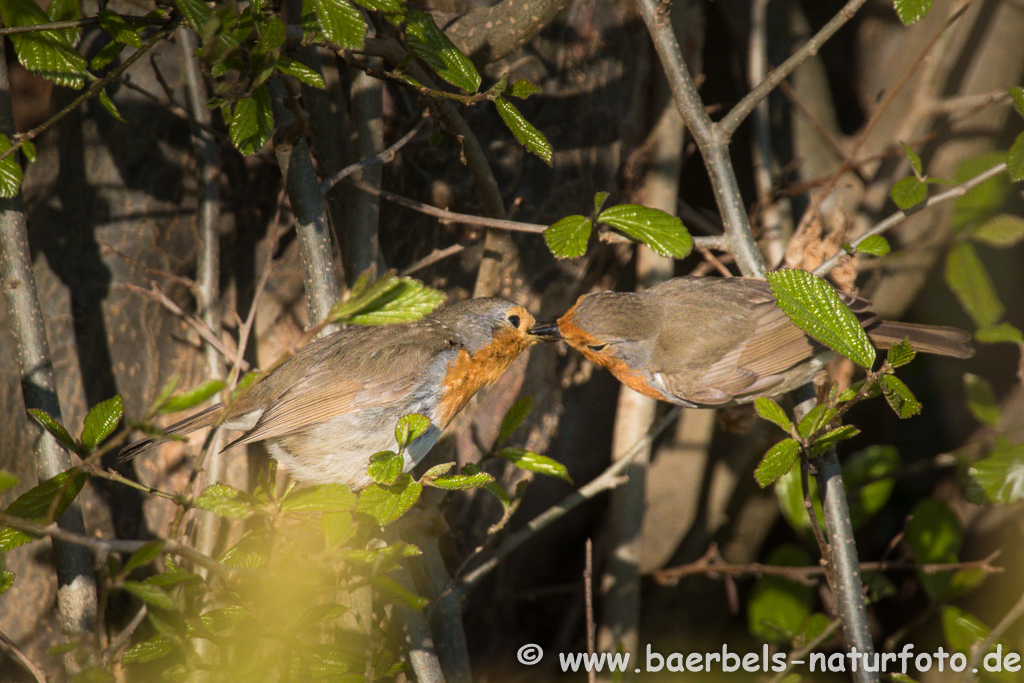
328	408
709	341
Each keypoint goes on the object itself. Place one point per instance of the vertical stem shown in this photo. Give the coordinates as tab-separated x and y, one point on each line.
361	244
76	592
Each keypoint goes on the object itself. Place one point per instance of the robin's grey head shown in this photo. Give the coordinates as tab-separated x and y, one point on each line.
480	322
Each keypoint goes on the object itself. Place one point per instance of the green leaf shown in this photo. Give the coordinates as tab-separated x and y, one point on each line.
8	480
935	537
225	501
908	192
6	581
301	72
109	105
915	160
101	421
773	412
832	437
984	201
1017	94
776	462
1015	159
1001	332
66	10
154	648
152	595
899	397
513	418
430	44
386	6
437	470
252	121
49	54
28	148
1000	475
389	299
911	11
461	482
900	353
119	29
10	171
191	398
385	467
815	419
778	606
143	556
876	245
409	428
599	199
494	488
790	495
815	307
321	498
399	593
1001	231
868	478
962	629
222	618
969	279
567	238
981	400
196	13
388	503
523	89
37	505
662	232
524	131
55	428
250	552
532	462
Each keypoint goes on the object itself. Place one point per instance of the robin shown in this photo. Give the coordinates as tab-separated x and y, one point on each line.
705	342
328	408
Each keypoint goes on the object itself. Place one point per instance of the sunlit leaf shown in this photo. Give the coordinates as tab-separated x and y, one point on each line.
341	23
252	121
321	498
10	171
969	280
119	29
528	460
915	159
524	131
143	556
662	232
385	467
429	43
1000	475
1004	230
461	482
912	11
38	505
388	503
776	462
908	192
49	54
101	421
513	418
773	412
301	72
1000	332
409	428
900	353
192	397
876	245
225	501
55	428
899	397
567	238
152	595
146	651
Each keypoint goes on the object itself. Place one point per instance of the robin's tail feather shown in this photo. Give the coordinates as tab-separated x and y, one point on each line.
202	419
944	341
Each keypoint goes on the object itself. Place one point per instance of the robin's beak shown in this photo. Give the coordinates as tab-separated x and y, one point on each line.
546	331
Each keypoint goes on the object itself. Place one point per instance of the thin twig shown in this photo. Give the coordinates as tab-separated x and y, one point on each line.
77	23
22	658
383	157
588	588
805	649
122	638
432	258
979	649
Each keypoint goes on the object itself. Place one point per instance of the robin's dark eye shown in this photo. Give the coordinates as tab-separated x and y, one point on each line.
514	320
597	347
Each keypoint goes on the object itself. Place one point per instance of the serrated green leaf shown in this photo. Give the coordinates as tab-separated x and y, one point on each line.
1017	95
981	400
523	89
599	199
143	556
498	88
152	595
66	10
10	171
662	232
437	470
567	238
388	503
389	299
6	581
969	280
1015	159
192	397
28	148
385	467
250	552
252	121
46	53
773	412
908	192
530	461
985	200
815	307
915	160
461	482
1001	231
37	504
398	593
8	480
119	29
320	498
101	421
225	501
524	131
868	478
386	6
513	418
302	72
834	436
148	650
1001	332
815	419
196	13
109	105
409	428
494	488
55	428
222	618
911	11
876	245
1000	475
899	397
935	536
790	495
777	606
430	44
900	353
776	462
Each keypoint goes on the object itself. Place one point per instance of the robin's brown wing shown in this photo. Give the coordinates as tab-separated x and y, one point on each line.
369	371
